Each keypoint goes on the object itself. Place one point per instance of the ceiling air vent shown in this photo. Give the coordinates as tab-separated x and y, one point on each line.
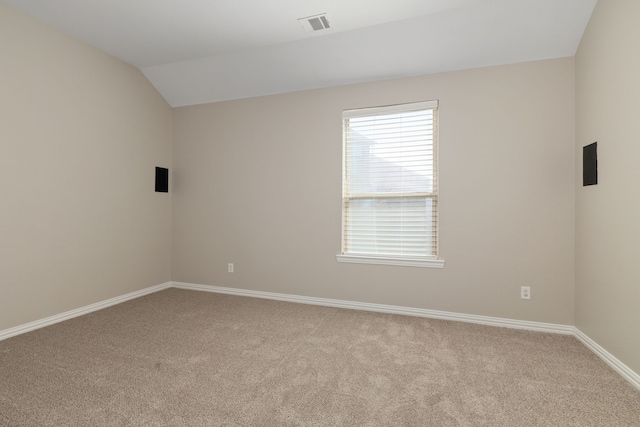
314	23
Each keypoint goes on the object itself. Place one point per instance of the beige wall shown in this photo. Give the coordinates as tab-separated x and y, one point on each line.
80	135
257	183
608	214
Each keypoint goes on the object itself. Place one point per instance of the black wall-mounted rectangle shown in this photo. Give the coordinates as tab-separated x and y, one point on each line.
590	164
162	180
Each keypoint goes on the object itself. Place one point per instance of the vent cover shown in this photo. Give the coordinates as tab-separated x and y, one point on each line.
314	23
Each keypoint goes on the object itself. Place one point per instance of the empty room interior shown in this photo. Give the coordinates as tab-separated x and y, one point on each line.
181	186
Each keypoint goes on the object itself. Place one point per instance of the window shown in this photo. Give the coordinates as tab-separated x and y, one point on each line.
389	185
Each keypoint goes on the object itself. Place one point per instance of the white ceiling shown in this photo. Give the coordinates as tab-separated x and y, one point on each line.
198	51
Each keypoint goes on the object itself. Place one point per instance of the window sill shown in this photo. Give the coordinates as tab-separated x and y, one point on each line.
407	262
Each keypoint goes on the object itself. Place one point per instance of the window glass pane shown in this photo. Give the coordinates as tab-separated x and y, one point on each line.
390	226
390	153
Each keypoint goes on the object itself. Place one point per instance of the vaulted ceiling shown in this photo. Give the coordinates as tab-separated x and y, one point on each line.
198	51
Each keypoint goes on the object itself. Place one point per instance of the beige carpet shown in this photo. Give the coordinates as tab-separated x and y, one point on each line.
186	358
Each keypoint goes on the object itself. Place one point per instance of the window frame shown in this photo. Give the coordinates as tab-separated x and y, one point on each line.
432	261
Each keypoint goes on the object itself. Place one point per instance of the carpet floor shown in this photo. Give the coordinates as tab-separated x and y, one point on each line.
187	358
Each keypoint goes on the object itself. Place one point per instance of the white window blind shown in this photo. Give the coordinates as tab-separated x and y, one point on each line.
389	192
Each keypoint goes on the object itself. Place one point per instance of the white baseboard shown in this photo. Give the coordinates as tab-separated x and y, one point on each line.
383	308
31	326
626	372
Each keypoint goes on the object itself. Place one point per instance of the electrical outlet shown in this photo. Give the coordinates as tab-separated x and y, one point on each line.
525	292
230	267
